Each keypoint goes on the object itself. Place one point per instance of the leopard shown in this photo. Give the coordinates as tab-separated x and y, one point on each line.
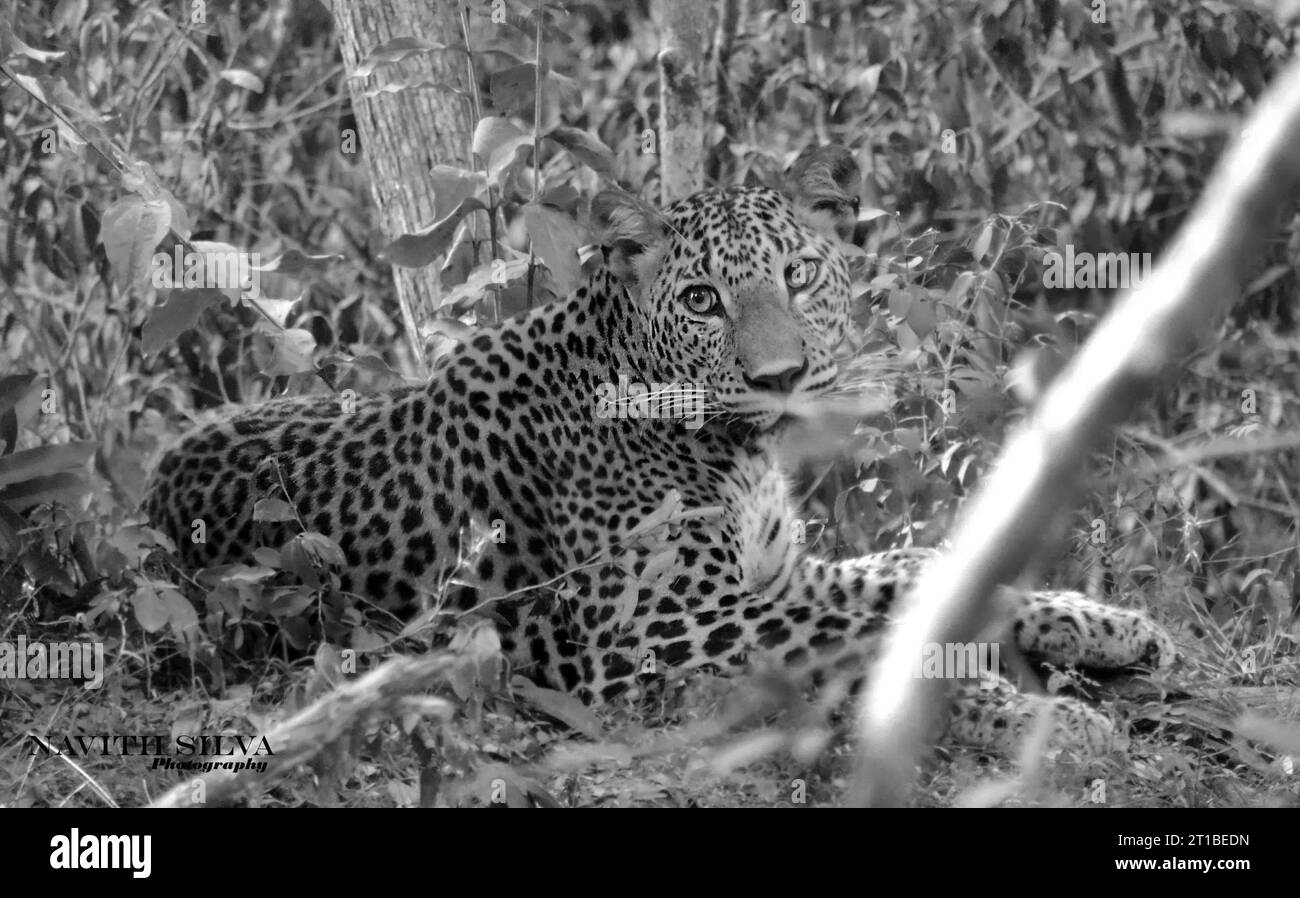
603	474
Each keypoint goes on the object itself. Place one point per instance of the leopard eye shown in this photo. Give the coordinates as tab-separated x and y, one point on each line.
701	300
800	273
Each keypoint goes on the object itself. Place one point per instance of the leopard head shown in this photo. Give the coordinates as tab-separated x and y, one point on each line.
742	293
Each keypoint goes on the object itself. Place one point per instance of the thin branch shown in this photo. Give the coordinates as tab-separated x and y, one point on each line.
537	137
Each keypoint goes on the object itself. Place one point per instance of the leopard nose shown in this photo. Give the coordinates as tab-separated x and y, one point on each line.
778	381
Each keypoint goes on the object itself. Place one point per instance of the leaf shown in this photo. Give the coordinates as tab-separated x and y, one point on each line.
909	438
43	461
309	553
14	388
496	274
179	314
286	351
419	249
322	549
14	392
566	708
869	79
1125	107
396	50
12	45
556	239
268	556
657	566
62	487
477	652
625	605
242	573
328	661
921	316
980	248
276	310
956	296
363	640
513	89
505	157
515	299
135	541
559	89
295	262
564	198
272	509
180	219
151	610
130	232
72	236
459	261
451	185
496	142
181	614
243	78
587	148
899	302
453	328
1250	578
669	507
292	601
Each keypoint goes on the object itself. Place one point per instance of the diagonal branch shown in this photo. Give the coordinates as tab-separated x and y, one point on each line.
1037	476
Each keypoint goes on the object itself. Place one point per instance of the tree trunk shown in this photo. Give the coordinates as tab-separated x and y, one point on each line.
684	78
405	133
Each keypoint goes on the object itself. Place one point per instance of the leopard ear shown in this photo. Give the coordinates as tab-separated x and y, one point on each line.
632	233
824	183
